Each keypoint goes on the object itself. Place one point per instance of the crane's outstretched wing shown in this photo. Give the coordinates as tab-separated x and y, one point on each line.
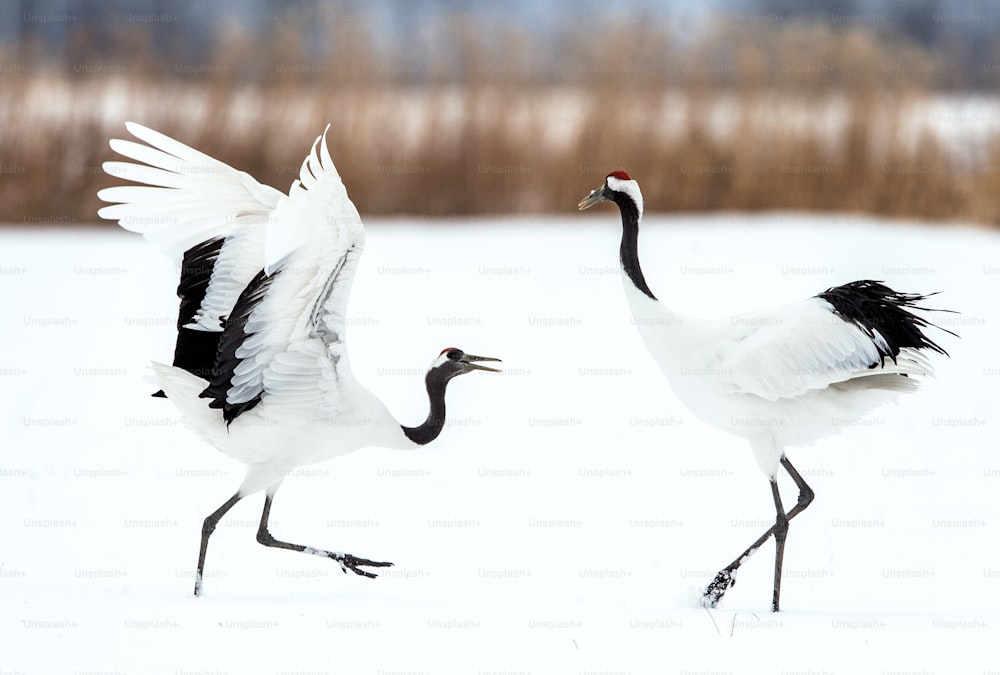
848	332
284	340
238	242
205	215
188	196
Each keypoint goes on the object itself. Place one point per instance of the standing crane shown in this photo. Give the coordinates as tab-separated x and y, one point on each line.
260	366
777	377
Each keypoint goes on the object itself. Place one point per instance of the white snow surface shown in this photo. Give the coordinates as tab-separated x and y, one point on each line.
569	515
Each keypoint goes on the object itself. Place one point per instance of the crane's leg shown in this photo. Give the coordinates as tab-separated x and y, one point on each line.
207	528
780	534
725	579
806	493
346	560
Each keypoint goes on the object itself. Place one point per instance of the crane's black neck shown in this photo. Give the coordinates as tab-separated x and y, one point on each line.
630	242
432	426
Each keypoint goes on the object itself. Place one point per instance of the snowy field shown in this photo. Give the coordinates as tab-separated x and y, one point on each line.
571	511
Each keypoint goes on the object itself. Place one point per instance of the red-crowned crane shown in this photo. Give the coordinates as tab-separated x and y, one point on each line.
779	377
260	366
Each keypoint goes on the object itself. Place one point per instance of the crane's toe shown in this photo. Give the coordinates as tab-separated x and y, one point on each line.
722	582
354	564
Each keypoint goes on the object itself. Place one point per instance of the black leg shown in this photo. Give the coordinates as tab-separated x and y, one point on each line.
346	560
780	534
806	493
726	579
207	528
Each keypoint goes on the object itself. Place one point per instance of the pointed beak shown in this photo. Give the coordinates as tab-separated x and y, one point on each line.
591	199
470	362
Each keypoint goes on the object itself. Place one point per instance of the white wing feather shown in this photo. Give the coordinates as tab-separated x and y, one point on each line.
240	259
297	354
191	197
789	351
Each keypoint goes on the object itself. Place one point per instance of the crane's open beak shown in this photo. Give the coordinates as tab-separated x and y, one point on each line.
595	196
470	362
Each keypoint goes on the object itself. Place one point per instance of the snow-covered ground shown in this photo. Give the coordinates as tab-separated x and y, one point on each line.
569	515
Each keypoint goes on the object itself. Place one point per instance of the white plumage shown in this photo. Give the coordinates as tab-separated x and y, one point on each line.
205	197
261	368
785	376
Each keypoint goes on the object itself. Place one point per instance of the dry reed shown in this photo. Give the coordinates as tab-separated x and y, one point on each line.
744	118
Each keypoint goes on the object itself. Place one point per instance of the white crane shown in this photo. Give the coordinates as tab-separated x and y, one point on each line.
779	377
260	366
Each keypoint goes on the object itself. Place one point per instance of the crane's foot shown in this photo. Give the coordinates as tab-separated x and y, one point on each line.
350	562
353	563
722	582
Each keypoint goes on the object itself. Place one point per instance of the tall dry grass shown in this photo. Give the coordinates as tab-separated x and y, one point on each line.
743	118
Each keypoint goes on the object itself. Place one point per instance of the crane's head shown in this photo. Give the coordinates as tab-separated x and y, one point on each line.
618	186
450	363
453	361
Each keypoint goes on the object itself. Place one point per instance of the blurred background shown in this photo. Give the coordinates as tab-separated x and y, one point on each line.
450	108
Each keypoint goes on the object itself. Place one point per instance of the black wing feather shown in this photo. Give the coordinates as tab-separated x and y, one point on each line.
195	350
876	308
233	335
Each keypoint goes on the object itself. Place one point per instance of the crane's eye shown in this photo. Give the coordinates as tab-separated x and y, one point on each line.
454	354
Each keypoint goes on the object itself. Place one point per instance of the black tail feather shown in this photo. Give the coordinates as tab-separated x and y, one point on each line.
878	310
